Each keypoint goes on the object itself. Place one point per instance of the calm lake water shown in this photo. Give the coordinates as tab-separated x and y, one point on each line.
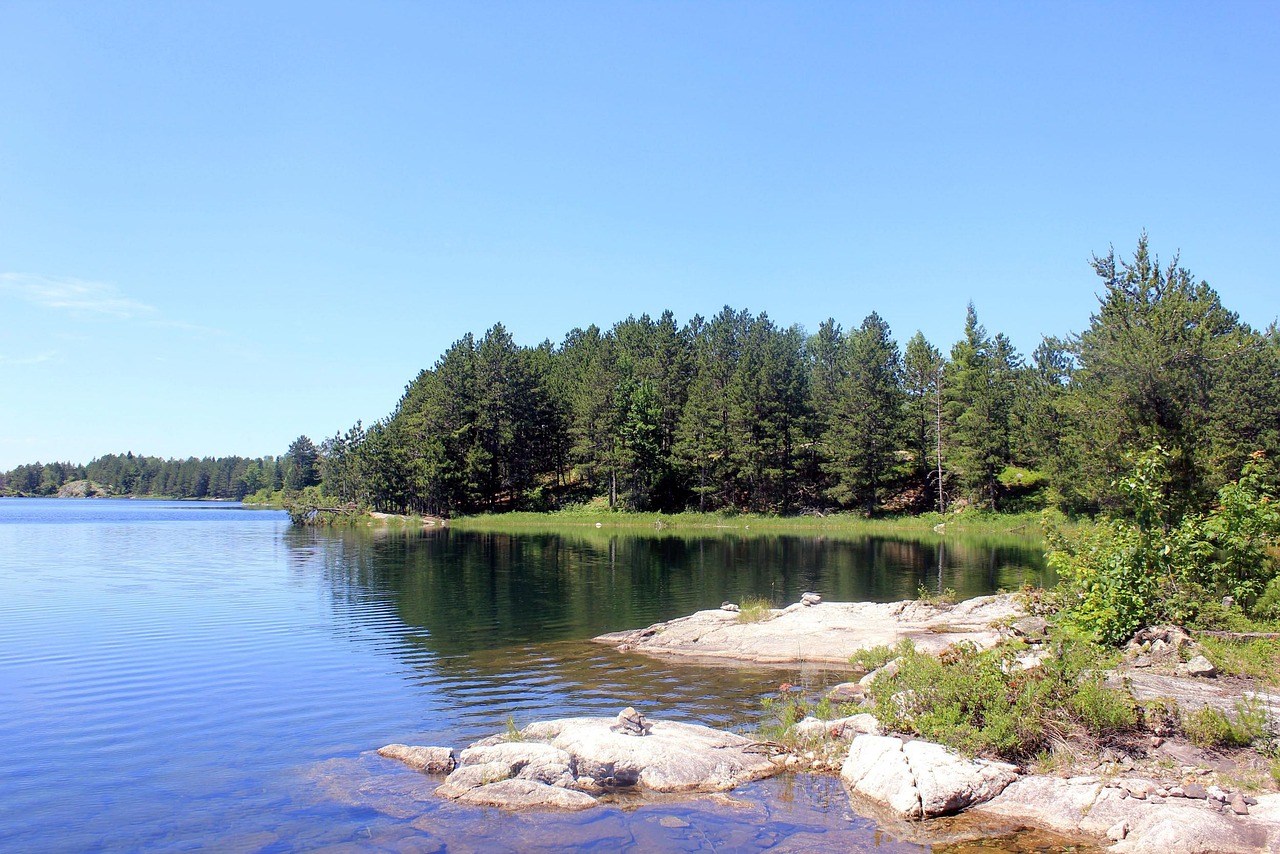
183	676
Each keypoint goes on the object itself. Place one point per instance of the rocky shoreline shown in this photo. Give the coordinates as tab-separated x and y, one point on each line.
1170	798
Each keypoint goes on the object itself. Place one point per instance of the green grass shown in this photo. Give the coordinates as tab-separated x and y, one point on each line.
1209	727
1254	657
755	609
1021	526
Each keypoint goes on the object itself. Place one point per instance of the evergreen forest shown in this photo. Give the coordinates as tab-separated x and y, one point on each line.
734	413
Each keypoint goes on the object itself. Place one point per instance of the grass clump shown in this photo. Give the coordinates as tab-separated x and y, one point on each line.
755	609
1209	727
984	702
1253	657
867	660
788	707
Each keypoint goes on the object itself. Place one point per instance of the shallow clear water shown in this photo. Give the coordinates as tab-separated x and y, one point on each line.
200	676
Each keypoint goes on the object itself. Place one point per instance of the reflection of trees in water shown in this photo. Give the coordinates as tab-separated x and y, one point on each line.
467	591
494	624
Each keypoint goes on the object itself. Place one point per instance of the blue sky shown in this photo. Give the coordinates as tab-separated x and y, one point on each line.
225	224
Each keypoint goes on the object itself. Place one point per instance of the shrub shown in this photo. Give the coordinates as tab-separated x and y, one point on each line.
1123	574
982	702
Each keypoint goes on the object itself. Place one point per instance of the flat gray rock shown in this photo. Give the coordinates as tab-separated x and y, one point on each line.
1173	826
673	757
826	633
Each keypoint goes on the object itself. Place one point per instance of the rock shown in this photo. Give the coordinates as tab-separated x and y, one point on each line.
1118	831
468	777
829	634
1031	627
631	722
674	757
1194	791
888	670
810	599
528	760
430	760
812	729
1031	660
1238	804
1201	667
920	779
1178	826
523	794
847	692
1139	789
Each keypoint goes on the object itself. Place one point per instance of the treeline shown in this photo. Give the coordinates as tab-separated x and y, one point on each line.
153	477
735	413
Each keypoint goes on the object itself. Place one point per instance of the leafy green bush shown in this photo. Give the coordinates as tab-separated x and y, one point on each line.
1123	574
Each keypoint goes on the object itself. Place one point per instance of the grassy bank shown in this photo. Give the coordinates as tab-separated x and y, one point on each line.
844	524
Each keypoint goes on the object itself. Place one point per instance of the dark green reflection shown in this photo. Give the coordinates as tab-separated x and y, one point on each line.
464	591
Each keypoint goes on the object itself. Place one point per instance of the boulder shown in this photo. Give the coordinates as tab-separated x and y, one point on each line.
827	634
557	763
673	757
1201	667
525	794
468	777
528	760
919	779
429	760
813	729
1034	628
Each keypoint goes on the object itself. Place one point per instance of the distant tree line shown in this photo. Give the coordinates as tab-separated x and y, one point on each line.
735	413
141	476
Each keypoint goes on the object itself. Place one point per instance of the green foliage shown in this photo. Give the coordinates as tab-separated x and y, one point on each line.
1256	658
1209	727
755	609
982	702
788	707
1150	568
867	660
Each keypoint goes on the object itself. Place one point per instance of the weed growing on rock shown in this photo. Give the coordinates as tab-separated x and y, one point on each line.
1209	727
755	609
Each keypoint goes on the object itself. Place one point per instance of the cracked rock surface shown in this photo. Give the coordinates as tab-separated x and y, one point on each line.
562	764
919	779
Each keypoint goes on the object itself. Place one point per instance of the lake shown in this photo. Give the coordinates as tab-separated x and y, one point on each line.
201	676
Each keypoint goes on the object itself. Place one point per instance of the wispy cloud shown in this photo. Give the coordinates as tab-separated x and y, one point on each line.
34	359
77	296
